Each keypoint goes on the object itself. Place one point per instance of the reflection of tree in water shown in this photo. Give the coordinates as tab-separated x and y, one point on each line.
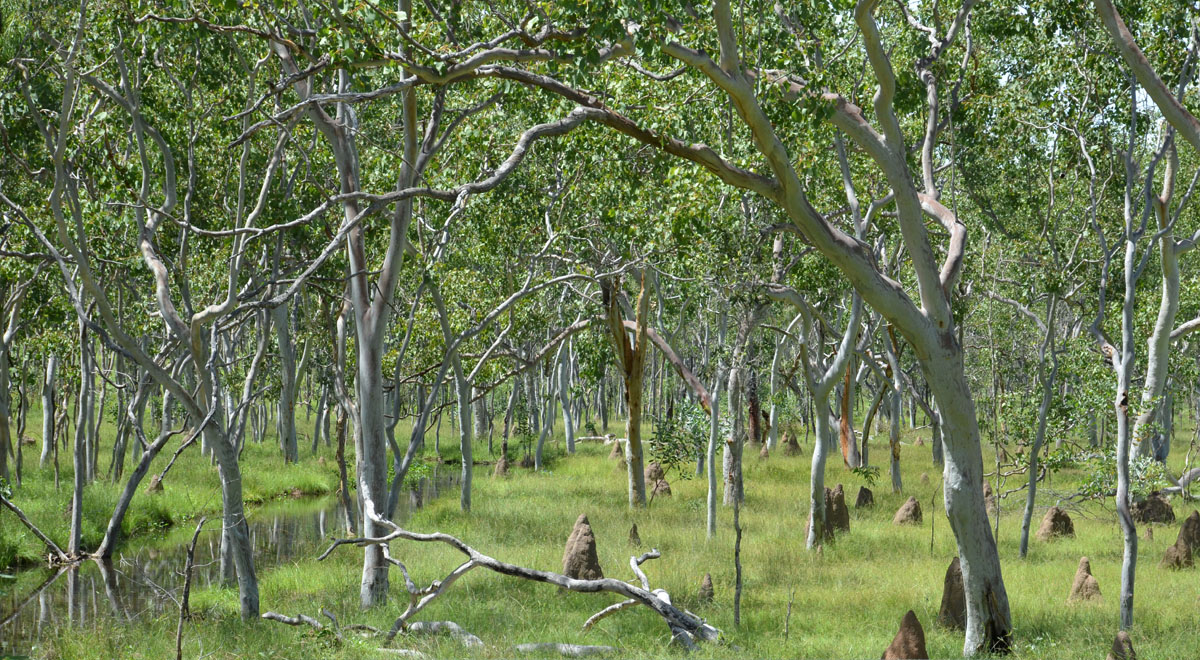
147	581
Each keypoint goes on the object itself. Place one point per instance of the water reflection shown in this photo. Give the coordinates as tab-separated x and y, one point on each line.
146	579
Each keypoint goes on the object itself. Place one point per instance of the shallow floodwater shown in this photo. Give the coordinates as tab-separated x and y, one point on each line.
146	579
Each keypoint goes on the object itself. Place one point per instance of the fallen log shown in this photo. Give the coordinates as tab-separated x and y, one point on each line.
685	627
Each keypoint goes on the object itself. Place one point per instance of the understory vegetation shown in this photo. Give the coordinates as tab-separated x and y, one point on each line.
475	325
843	601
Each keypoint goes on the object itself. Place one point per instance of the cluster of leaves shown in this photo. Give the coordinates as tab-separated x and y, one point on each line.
522	432
868	473
1053	460
678	441
1145	474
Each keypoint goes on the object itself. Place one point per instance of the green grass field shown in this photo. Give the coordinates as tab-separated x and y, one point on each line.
845	602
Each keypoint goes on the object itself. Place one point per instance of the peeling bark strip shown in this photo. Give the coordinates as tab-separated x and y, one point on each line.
631	358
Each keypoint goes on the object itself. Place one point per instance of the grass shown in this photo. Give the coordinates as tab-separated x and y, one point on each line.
846	602
191	489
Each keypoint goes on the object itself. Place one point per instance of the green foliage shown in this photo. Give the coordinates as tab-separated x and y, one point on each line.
868	473
678	442
1145	475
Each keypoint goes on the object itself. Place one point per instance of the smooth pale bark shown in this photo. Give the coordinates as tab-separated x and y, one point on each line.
714	435
822	439
891	351
319	425
547	416
564	394
938	451
79	448
895	419
5	411
821	380
287	384
481	413
112	533
732	456
1124	442
1158	344
1047	382
48	399
1170	106
987	612
773	415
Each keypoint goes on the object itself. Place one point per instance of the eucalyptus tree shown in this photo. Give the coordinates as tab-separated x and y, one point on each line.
313	62
12	297
1170	103
1138	238
750	80
631	358
821	374
131	109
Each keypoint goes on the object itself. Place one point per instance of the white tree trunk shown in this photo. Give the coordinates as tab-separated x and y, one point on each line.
5	411
987	600
1039	438
79	453
822	439
48	399
714	437
564	394
732	460
287	385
